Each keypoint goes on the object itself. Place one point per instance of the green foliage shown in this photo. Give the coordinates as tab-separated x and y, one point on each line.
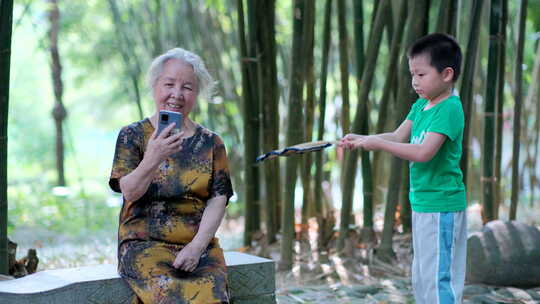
99	97
533	14
33	204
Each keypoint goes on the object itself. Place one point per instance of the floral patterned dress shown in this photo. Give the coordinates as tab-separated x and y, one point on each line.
158	225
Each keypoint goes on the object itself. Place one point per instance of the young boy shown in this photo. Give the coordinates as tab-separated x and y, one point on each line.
430	138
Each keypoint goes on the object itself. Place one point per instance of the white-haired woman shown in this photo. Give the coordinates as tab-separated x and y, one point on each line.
175	188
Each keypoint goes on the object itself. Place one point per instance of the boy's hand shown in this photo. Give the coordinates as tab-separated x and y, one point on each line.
354	141
350	141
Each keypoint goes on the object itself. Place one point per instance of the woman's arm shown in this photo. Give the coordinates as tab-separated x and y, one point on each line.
211	219
188	258
135	184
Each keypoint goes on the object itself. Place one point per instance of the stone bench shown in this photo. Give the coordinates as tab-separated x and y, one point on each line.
251	280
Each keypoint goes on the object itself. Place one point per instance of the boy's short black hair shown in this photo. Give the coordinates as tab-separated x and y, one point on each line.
443	50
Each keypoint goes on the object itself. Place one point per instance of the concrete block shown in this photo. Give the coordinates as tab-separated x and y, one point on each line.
251	280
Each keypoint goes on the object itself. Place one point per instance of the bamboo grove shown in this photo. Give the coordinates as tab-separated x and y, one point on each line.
300	70
394	25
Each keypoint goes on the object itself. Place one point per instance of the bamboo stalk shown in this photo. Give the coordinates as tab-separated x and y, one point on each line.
294	134
6	21
309	117
498	195
249	152
360	118
417	28
59	111
343	67
132	69
535	132
270	114
488	177
517	109
467	84
389	85
321	216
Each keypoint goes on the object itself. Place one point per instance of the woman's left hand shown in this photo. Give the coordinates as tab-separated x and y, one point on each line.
188	258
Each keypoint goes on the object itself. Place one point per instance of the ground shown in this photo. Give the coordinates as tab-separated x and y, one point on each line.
323	277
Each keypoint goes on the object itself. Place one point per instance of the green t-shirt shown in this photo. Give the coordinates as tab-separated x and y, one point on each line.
437	185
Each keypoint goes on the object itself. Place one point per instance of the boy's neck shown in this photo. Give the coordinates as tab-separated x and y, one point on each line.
441	97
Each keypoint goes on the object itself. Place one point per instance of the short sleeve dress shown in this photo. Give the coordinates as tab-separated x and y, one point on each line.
154	228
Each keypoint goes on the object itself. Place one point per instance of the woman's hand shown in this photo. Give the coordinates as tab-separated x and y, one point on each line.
162	146
135	184
188	258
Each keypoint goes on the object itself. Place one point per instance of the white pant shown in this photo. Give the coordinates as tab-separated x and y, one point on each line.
440	256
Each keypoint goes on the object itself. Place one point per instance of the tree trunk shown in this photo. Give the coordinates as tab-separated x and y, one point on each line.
499	197
294	134
467	84
344	66
270	114
6	20
359	123
367	235
517	109
488	177
452	18
534	177
309	32
406	212
443	19
446	23
535	132
59	112
389	85
417	28
250	130
318	195
359	37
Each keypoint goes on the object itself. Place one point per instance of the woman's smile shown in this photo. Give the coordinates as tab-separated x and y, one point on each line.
175	107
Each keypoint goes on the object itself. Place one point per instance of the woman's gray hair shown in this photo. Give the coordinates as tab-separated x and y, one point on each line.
205	82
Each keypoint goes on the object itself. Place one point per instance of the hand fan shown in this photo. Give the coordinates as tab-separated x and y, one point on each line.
296	149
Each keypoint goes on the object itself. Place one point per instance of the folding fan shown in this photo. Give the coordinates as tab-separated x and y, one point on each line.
296	149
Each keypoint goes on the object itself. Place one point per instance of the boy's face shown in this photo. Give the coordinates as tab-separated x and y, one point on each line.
427	81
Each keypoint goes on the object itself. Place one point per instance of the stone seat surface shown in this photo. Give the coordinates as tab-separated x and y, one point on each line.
251	280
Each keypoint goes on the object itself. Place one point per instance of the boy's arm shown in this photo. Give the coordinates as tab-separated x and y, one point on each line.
401	134
413	152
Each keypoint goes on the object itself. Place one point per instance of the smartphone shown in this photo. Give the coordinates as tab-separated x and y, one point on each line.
168	117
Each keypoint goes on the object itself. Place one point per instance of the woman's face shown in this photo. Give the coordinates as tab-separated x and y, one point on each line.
176	88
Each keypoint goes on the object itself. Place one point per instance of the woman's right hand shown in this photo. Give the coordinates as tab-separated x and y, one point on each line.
163	145
159	147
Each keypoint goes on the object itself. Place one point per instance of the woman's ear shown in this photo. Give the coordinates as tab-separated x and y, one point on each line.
448	74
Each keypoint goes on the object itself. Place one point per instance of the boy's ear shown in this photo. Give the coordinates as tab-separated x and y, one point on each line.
448	74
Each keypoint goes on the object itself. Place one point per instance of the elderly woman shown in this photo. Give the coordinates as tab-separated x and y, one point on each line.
175	188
